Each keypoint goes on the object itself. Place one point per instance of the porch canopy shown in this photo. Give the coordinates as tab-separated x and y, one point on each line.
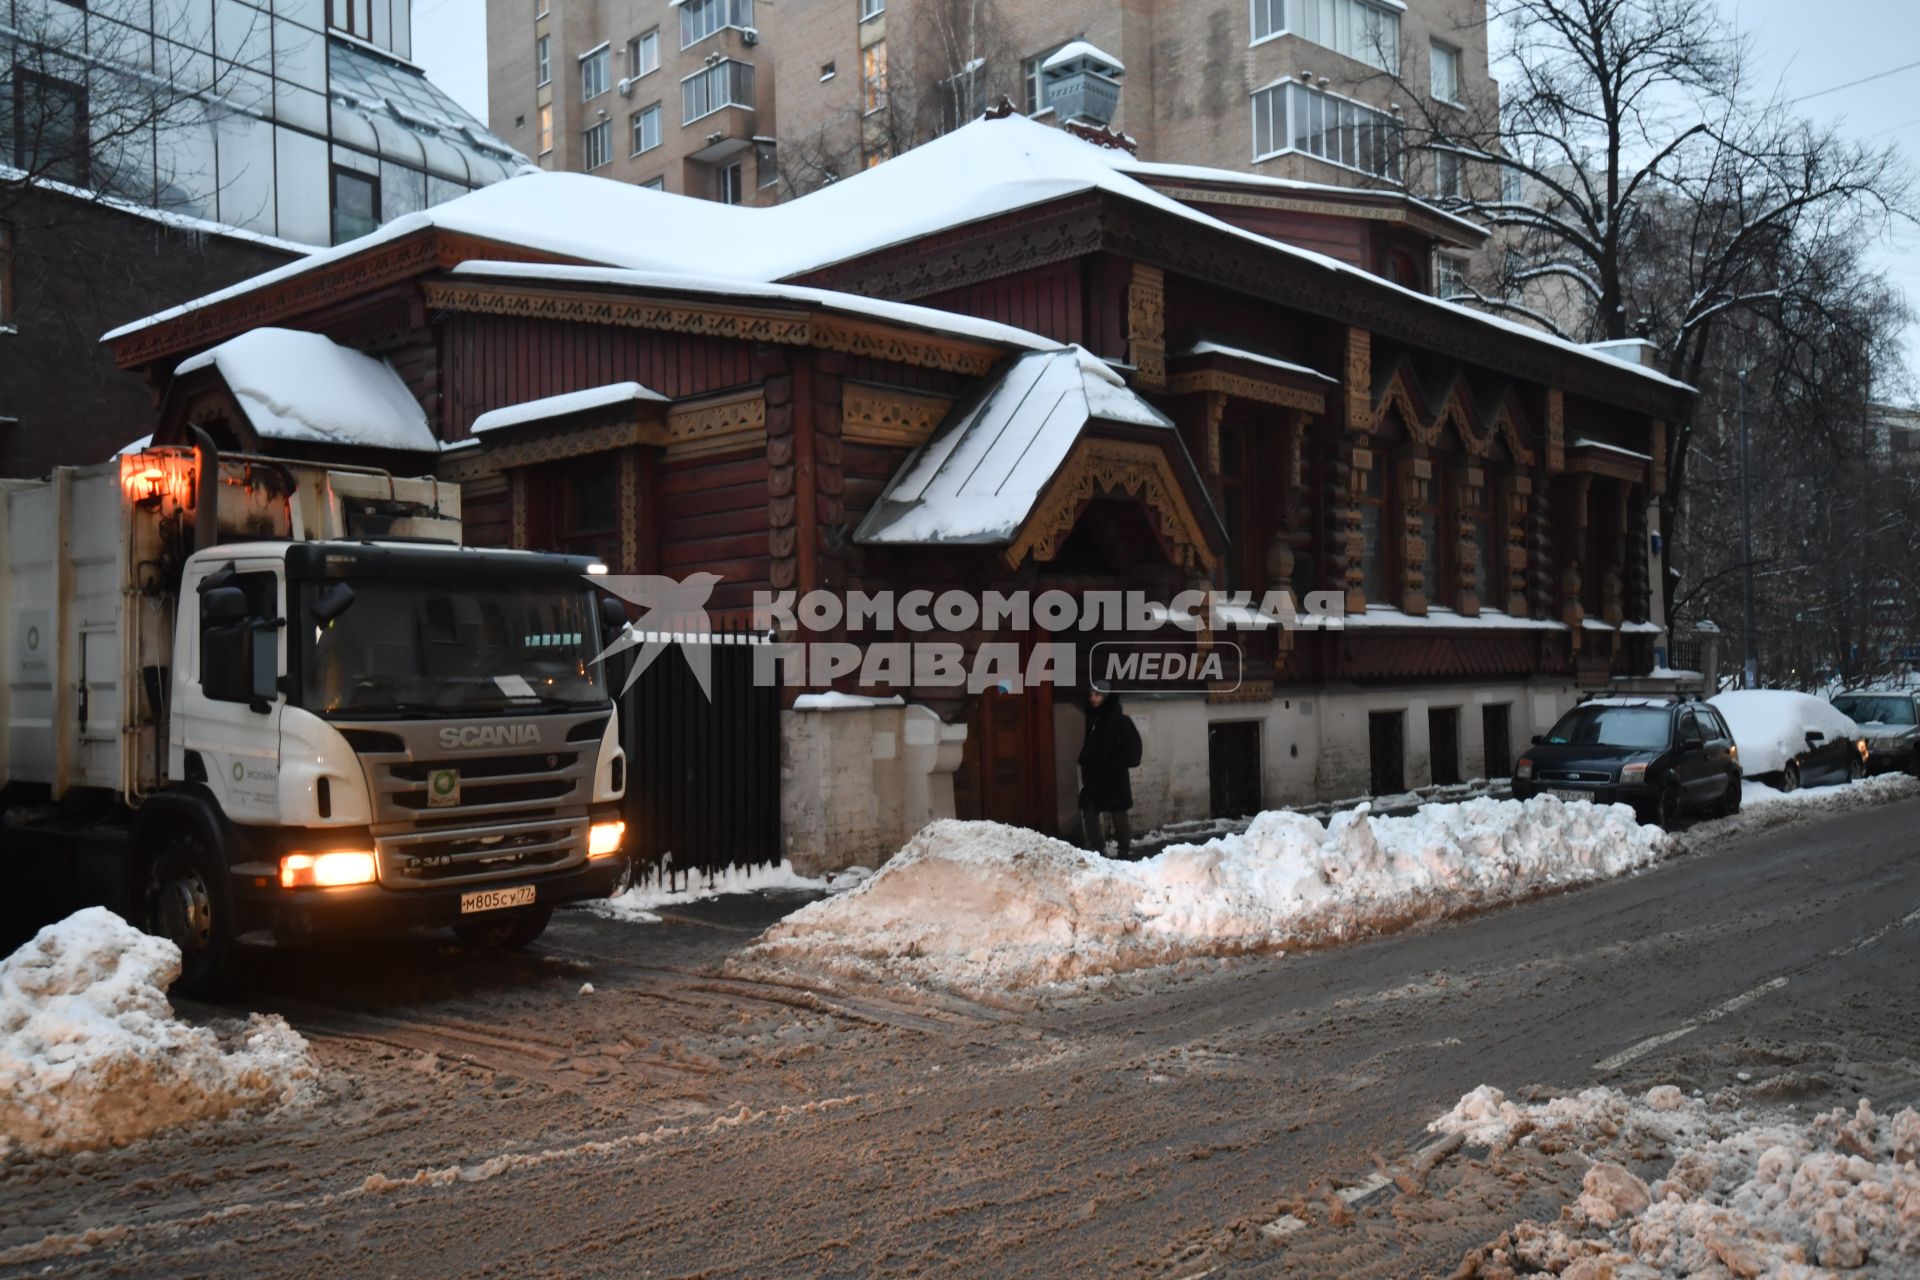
292	387
1015	463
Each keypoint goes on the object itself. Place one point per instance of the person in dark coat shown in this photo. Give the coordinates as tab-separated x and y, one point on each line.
1110	751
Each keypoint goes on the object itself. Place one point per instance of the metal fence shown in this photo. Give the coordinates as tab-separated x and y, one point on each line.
703	782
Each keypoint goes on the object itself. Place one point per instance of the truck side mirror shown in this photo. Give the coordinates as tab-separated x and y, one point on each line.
331	601
613	615
222	605
226	666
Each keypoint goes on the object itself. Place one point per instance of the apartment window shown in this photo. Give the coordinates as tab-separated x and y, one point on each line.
546	129
1445	70
1513	186
7	312
654	184
1477	514
643	54
1292	117
702	18
1033	79
1269	19
356	205
827	72
646	128
50	127
543	60
594	72
724	84
873	77
599	145
1364	31
1449	276
355	17
1446	175
766	161
733	186
872	9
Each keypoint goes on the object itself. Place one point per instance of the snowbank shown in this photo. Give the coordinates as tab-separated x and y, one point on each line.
668	888
1747	1194
1770	726
1881	789
92	1056
980	905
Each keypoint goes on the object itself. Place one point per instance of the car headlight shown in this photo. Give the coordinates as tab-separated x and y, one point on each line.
603	838
327	870
1633	773
1523	770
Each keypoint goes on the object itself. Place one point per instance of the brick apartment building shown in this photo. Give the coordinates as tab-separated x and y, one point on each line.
755	103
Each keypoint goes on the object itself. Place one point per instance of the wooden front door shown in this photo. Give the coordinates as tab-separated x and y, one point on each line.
1006	774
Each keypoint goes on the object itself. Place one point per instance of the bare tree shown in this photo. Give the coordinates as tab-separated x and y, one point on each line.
946	62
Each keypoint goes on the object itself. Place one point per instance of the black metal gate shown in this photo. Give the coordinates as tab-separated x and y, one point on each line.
703	775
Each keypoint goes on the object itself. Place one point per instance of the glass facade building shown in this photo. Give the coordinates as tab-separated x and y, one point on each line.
301	119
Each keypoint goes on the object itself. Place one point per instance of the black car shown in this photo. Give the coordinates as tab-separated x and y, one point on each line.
1891	725
1665	758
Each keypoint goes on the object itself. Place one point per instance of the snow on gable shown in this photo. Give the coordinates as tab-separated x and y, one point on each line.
304	387
515	415
980	476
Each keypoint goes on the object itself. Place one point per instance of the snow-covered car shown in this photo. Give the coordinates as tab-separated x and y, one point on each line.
1666	757
1789	740
1891	722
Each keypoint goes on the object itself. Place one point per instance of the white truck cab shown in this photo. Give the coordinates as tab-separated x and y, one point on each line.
228	715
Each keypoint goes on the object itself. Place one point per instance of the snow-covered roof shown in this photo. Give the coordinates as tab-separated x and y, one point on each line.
976	481
300	386
983	170
1207	347
1604	447
1147	170
1078	49
930	319
515	415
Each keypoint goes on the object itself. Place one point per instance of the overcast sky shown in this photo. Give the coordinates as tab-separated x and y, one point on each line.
1809	50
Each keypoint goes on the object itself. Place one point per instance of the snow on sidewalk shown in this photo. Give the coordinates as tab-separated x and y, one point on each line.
91	1054
1753	1195
977	905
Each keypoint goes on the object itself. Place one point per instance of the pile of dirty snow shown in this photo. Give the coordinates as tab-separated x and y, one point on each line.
1744	1195
91	1054
984	906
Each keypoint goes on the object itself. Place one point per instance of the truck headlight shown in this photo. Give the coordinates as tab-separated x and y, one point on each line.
1523	770
603	838
327	870
1633	773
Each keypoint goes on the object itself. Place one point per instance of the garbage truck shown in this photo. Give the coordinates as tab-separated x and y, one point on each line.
259	700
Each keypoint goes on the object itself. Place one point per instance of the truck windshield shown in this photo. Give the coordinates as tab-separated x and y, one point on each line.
417	648
1642	727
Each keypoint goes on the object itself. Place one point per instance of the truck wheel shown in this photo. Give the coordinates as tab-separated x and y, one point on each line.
185	907
505	930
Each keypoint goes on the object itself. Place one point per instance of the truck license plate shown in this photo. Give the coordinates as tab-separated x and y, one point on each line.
496	899
1563	794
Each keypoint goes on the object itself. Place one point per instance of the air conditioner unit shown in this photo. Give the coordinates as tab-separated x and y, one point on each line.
749	37
626	87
